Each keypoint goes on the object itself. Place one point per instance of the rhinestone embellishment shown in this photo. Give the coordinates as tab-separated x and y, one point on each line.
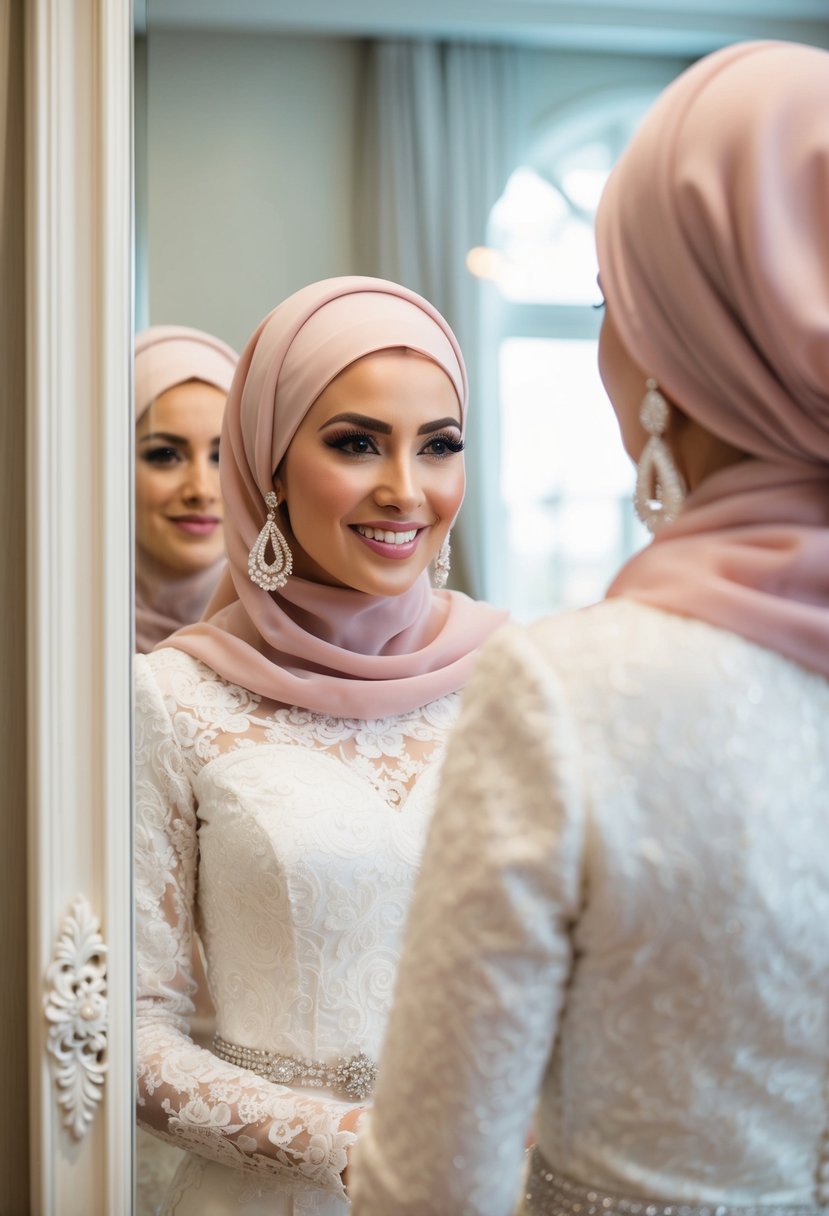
653	413
352	1076
551	1194
660	490
270	576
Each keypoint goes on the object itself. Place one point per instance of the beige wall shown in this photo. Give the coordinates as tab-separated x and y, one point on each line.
250	142
14	1113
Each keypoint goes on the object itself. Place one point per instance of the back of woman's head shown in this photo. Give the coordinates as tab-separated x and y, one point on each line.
713	240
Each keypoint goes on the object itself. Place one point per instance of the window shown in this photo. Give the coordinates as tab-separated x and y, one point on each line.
565	481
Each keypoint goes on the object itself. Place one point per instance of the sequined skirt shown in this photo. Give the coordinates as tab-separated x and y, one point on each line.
548	1193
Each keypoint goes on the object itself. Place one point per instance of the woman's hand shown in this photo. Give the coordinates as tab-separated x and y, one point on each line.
350	1122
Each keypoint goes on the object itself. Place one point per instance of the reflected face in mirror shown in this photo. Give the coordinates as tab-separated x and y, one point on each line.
178	505
374	476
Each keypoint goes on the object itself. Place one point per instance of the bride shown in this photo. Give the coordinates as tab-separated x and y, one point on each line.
287	747
621	930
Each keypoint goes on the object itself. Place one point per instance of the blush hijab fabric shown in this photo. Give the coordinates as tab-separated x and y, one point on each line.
330	649
713	244
166	356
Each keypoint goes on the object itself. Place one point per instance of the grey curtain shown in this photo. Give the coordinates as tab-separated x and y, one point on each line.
443	128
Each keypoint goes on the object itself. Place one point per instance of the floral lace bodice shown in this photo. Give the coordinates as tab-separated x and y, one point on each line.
291	841
637	930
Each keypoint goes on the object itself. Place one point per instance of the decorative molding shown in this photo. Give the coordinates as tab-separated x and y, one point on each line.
76	1010
79	420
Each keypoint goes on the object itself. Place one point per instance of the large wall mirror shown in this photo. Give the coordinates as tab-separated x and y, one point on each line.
458	152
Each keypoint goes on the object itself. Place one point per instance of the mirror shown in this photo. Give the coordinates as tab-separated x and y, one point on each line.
258	170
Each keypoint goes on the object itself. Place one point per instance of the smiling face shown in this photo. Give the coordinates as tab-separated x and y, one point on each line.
178	505
374	476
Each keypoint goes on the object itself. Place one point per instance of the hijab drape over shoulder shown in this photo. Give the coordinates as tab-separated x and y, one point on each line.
331	649
713	240
166	356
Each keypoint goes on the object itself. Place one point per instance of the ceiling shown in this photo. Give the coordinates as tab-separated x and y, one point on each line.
644	26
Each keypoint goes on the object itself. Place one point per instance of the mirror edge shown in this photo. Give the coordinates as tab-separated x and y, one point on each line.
79	577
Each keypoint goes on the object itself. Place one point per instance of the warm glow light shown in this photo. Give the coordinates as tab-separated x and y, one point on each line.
485	263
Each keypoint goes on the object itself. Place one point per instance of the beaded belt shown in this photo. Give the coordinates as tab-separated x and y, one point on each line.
353	1077
551	1194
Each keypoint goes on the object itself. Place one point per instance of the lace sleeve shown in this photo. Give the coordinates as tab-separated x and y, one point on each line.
185	1094
487	953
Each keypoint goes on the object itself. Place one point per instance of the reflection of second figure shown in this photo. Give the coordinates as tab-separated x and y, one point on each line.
287	747
182	378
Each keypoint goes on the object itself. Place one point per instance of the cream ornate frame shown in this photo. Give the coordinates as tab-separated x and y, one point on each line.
78	284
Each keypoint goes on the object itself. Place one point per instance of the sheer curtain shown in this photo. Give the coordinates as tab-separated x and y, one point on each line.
442	130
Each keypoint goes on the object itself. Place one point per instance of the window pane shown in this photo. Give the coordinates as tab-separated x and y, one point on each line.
565	479
546	245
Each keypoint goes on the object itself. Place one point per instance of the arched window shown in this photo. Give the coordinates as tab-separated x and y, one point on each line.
566	520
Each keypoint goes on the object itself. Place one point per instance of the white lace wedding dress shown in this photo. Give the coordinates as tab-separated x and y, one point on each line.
294	839
624	909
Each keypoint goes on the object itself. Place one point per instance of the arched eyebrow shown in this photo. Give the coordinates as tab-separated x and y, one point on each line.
167	437
440	425
374	424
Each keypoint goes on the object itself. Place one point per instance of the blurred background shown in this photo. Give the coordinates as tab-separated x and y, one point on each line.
457	146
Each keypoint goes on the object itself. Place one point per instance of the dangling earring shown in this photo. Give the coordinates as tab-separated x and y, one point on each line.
270	577
442	565
660	490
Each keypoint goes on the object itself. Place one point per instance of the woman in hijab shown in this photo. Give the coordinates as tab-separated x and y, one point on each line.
288	744
623	910
182	377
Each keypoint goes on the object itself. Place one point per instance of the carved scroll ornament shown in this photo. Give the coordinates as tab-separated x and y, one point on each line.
76	1010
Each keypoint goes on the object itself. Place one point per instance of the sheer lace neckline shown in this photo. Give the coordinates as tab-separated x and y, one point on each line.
212	718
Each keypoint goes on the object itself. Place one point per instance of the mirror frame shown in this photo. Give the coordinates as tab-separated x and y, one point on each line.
78	140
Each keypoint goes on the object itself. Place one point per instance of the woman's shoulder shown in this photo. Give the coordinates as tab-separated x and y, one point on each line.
182	680
592	636
170	664
620	642
172	683
613	629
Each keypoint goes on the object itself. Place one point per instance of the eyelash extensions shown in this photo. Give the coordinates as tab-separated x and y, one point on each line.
342	440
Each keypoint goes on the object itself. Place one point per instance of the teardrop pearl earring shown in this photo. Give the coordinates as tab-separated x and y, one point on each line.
660	490
442	565
270	576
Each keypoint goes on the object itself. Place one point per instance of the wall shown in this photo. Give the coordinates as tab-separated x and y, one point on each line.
250	147
14	1112
249	151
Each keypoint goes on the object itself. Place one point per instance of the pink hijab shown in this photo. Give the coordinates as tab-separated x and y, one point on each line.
165	356
330	649
713	240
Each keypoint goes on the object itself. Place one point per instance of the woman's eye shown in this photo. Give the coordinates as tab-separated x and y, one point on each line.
164	455
443	445
214	456
354	444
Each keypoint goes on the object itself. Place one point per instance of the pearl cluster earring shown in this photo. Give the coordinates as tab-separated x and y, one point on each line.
442	565
270	576
660	490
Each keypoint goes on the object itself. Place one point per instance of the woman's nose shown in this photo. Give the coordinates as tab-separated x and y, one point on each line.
202	483
398	487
